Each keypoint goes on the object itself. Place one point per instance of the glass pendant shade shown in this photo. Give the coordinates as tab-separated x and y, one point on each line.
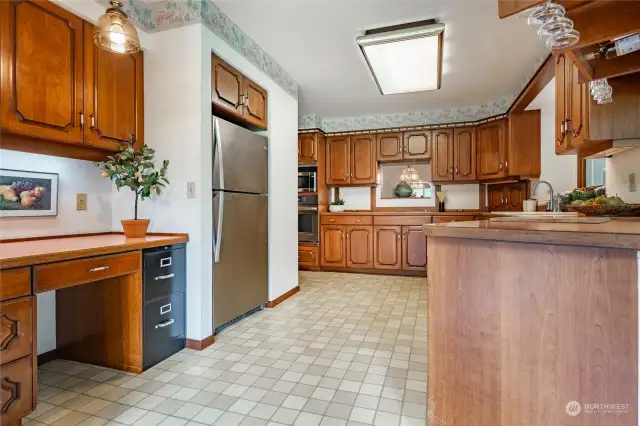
114	32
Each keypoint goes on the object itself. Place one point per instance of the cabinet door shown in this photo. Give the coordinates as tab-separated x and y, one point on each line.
442	161
114	96
562	66
464	154
16	392
226	86
491	150
338	160
42	70
387	247
16	338
579	108
417	145
359	246
515	194
255	104
333	245
363	159
307	148
389	147
414	248
495	198
307	255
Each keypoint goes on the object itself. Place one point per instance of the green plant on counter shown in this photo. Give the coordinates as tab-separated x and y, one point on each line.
135	169
338	202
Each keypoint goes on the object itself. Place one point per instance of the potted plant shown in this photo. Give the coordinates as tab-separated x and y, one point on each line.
337	206
135	169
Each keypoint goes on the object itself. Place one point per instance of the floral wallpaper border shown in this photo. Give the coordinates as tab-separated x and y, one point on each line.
418	118
167	14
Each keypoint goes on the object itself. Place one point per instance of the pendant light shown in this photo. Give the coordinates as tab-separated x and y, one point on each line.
113	31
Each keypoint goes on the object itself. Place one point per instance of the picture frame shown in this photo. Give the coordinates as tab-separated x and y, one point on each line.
26	193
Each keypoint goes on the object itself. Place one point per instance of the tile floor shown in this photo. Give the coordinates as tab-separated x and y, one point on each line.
347	350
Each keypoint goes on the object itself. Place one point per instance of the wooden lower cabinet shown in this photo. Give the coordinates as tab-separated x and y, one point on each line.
387	247
308	255
414	248
359	247
333	245
17	392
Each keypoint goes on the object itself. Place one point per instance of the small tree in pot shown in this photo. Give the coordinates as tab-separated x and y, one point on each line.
135	169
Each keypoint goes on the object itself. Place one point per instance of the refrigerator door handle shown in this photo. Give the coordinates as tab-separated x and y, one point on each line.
220	157
218	237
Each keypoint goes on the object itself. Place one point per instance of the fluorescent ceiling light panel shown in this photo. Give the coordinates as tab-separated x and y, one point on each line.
405	60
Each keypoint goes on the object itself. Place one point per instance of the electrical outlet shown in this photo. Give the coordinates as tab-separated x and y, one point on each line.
81	201
632	182
191	190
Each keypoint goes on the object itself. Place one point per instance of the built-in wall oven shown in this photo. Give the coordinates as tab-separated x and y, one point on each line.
307	179
308	222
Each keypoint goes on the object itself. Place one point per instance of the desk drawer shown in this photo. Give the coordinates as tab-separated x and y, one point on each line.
164	328
346	220
15	329
164	273
15	283
66	274
16	394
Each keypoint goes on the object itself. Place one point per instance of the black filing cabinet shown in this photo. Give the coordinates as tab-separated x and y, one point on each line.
164	286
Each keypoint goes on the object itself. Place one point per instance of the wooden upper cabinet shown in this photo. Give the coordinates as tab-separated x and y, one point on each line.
255	103
338	160
114	96
42	71
524	153
491	149
363	159
227	87
562	64
442	161
495	198
387	247
359	246
414	248
390	147
332	245
417	145
579	101
307	148
464	154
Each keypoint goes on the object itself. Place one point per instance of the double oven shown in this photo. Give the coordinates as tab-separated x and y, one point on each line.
308	220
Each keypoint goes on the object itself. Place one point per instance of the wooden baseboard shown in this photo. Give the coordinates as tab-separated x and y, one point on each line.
43	358
277	301
398	272
199	345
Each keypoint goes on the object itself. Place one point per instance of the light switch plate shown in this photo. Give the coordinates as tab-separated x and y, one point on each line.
191	190
81	201
632	182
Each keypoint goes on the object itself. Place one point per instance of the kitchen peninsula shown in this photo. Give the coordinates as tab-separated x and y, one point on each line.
531	322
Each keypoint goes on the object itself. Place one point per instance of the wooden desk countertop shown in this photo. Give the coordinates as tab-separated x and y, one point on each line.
44	250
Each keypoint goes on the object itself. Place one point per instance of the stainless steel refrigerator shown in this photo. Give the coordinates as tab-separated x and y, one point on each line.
240	239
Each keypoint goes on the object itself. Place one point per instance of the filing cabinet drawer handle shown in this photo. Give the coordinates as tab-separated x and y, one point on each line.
165	309
165	262
99	268
165	323
164	277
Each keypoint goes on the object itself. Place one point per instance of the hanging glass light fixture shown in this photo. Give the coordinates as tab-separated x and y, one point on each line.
114	32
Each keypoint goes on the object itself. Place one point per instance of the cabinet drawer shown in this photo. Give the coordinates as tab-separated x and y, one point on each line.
401	220
308	255
15	283
164	273
447	219
164	328
346	220
66	274
16	394
15	329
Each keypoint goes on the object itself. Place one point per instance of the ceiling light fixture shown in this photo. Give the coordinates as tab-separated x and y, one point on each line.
405	58
114	32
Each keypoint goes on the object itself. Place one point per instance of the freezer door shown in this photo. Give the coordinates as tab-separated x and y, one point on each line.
239	158
240	267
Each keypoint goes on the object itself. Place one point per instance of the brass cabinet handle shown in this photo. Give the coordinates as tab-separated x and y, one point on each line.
501	166
358	220
93	121
457	171
99	268
82	119
332	220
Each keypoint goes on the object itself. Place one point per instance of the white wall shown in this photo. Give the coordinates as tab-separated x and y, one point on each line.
618	169
74	176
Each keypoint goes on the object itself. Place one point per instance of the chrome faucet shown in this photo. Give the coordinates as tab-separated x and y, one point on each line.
551	204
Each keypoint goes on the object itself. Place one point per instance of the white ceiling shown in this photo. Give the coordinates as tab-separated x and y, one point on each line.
485	58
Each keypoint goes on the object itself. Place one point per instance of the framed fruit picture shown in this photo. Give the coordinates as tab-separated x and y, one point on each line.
24	193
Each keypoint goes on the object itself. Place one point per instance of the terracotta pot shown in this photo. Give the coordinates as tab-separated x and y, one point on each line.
135	228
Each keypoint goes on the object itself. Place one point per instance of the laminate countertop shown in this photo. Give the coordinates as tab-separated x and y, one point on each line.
52	249
401	213
618	233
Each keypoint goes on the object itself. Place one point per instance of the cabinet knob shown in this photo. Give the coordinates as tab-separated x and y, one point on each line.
457	171
451	170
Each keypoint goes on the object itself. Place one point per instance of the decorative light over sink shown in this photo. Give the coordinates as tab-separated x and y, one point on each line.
114	32
405	58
